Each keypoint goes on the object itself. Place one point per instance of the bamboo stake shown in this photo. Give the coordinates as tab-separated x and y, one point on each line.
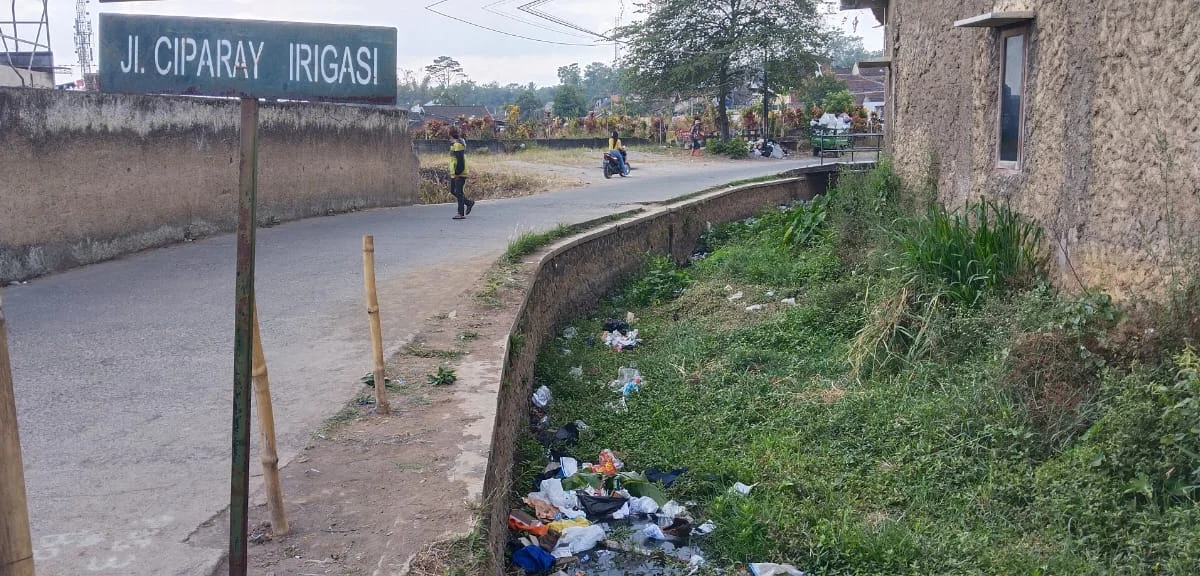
266	420
381	402
16	547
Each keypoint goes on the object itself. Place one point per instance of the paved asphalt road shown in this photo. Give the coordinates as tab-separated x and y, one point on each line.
123	369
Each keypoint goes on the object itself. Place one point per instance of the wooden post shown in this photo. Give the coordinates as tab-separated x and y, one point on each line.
266	424
16	547
381	401
243	340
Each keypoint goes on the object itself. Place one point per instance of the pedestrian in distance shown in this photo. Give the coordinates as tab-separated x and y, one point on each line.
458	173
695	137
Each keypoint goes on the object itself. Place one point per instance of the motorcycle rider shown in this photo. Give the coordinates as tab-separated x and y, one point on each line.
617	149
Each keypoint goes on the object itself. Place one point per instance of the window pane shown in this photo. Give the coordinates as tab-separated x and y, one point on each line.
1010	99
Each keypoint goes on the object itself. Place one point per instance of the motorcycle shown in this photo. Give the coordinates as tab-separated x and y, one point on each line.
612	165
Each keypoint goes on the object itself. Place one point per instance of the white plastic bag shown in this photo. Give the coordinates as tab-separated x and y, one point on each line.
581	538
552	492
769	569
643	505
541	398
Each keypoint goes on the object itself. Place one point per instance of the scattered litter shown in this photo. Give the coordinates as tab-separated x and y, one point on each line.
521	521
577	372
541	398
561	554
533	559
570	333
621	341
654	532
770	293
566	352
600	507
312	472
573	514
705	529
667	478
672	509
679	528
561	526
630	318
581	426
568	466
769	569
609	464
643	505
552	492
754	308
789	301
629	380
623	513
590	341
742	488
581	539
728	288
545	511
736	296
452	314
695	563
614	325
568	435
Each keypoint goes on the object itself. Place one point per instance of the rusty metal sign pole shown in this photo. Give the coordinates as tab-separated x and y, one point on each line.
243	339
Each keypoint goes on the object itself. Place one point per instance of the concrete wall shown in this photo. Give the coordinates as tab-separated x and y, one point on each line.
571	279
442	146
10	76
1112	136
86	176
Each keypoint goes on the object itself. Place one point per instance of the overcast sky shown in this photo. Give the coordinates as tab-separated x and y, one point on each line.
423	34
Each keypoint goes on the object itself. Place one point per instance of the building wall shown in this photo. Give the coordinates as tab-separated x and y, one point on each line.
1112	137
21	77
86	176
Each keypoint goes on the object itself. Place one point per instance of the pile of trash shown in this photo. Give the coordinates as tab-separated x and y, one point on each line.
601	519
619	334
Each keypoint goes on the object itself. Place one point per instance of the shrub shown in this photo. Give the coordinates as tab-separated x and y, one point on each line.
661	282
981	247
733	148
805	223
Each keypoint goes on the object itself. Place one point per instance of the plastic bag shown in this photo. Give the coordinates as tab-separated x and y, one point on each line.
552	492
581	539
609	464
654	532
561	526
769	569
673	509
520	521
643	505
541	398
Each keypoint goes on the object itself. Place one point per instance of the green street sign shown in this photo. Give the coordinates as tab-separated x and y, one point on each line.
247	59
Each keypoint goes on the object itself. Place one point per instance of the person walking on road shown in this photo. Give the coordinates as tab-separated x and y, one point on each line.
696	137
458	173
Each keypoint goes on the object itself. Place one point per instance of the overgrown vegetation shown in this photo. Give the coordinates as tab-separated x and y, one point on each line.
734	147
930	404
529	242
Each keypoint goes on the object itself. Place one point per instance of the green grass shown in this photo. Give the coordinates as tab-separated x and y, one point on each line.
530	242
971	447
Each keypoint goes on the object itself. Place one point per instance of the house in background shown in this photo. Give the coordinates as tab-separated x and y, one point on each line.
418	115
1077	113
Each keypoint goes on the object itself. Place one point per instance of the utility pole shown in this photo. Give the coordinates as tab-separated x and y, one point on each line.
766	96
16	548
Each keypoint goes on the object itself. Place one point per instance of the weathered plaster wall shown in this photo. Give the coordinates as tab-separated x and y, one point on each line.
85	176
1112	136
572	278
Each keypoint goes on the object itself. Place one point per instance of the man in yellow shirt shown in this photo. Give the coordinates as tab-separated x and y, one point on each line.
458	173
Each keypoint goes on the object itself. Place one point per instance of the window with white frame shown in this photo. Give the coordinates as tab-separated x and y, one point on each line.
1014	44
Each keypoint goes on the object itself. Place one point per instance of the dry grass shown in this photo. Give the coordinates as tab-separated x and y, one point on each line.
503	176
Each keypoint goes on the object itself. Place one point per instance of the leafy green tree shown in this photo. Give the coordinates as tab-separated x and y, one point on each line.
568	102
846	50
838	102
530	105
687	48
569	75
816	89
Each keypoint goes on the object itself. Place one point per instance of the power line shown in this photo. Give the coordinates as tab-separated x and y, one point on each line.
468	22
489	8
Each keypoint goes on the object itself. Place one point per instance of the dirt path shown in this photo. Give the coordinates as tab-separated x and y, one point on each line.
369	491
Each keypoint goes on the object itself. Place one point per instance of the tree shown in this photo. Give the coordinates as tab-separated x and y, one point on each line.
838	102
569	75
684	48
568	102
816	89
530	106
845	50
445	70
600	81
